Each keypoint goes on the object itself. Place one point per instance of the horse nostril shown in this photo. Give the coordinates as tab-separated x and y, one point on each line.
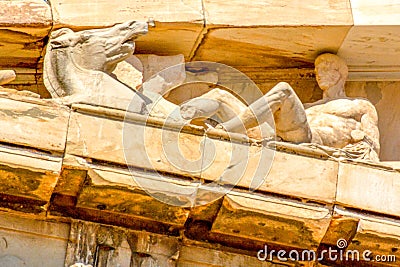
151	22
187	112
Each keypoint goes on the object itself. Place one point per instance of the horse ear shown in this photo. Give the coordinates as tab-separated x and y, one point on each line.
64	38
85	36
60	32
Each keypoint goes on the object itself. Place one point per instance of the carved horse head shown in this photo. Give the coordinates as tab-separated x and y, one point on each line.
100	50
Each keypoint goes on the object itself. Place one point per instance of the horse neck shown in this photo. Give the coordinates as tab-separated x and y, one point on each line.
68	77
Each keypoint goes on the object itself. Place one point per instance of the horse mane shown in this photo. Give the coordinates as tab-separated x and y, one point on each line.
59	65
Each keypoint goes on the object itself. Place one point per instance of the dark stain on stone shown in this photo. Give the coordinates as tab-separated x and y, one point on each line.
34	112
135	203
16	37
34	46
291	225
101	207
373	91
18	203
19	181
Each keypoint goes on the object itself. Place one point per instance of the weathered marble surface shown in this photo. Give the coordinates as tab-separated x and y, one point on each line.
370	12
371	52
25	121
377	228
252	166
378	234
269	47
23	27
101	245
151	148
25	241
272	220
288	12
178	24
27	178
202	32
380	189
98	187
382	95
369	47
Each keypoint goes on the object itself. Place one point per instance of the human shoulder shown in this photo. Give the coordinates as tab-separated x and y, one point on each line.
316	103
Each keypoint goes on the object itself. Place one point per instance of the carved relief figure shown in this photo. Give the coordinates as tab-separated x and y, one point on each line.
350	124
78	65
78	68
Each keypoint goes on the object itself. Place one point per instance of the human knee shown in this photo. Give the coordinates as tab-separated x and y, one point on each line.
215	93
283	85
285	88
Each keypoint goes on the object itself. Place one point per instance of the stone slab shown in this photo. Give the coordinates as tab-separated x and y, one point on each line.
190	256
26	13
273	47
115	192
177	23
150	148
142	198
270	171
25	124
371	48
176	192
105	245
168	39
370	12
371	52
287	12
23	26
27	179
102	13
16	157
26	241
369	189
272	220
26	190
375	234
192	155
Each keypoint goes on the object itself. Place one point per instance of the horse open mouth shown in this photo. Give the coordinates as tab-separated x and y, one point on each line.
123	52
130	44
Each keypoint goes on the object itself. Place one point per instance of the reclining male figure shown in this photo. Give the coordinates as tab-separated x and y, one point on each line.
335	121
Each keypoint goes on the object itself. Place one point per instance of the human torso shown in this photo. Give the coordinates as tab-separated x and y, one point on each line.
332	121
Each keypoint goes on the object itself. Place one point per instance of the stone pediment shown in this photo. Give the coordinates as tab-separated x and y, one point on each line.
66	185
